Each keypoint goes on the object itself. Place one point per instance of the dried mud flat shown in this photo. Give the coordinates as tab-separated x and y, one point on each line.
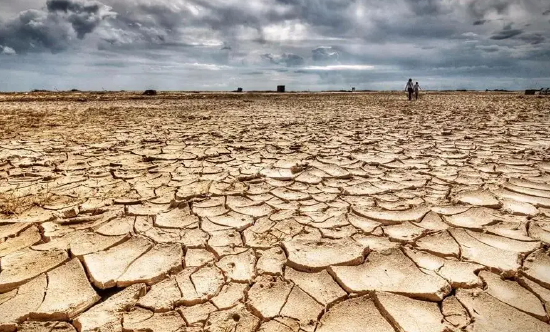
260	212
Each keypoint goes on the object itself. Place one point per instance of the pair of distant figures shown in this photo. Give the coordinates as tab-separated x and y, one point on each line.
412	88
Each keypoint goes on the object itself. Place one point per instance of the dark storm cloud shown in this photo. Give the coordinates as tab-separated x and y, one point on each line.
289	60
533	38
325	54
506	33
83	16
489	49
53	28
480	22
547	12
70	6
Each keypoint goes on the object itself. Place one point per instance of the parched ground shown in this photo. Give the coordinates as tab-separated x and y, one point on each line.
271	212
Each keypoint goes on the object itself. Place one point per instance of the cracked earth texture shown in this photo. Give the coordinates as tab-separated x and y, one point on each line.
263	212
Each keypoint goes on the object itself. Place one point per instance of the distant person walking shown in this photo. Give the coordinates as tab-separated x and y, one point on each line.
410	88
416	88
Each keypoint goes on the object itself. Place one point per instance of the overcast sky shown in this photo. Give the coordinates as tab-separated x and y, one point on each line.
258	44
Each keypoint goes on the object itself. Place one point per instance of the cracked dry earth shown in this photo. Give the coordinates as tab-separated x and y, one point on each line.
284	213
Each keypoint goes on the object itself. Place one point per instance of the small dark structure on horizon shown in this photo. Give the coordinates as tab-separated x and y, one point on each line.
239	89
281	88
353	89
150	93
530	92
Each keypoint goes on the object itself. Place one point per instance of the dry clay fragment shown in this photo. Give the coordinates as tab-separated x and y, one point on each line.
153	266
68	294
519	208
529	184
314	255
198	257
271	261
454	312
239	267
234	220
28	298
268	295
302	307
106	267
137	321
176	218
392	272
440	244
230	295
432	221
542	293
194	189
207	281
9	230
89	243
376	243
109	313
354	315
405	232
365	224
189	287
505	243
33	215
534	200
319	285
117	226
255	210
545	193
394	217
491	315
511	229
478	198
236	319
479	252
197	313
25	239
24	265
411	315
474	218
163	296
540	231
280	325
513	294
537	267
45	327
459	274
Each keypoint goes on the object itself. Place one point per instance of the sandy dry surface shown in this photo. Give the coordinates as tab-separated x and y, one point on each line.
263	212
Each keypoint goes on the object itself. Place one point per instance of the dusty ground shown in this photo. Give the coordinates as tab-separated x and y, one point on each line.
295	212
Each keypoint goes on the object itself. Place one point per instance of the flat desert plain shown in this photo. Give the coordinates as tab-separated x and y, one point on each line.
328	212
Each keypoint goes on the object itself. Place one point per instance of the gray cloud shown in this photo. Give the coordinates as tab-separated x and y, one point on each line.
480	8
54	27
304	42
6	50
489	49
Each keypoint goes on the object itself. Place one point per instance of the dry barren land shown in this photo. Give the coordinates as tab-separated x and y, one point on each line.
274	213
